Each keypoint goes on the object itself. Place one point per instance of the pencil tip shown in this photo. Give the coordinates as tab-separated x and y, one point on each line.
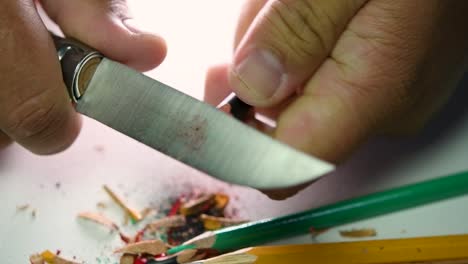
180	248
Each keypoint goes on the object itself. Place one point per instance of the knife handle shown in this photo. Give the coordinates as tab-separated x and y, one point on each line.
79	62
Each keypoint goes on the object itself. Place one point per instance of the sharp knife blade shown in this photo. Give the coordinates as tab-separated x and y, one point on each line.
184	128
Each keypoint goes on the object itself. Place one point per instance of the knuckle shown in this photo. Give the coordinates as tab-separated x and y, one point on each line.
382	68
34	120
119	8
301	28
406	95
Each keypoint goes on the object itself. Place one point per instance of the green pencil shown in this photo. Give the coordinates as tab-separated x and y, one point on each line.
259	232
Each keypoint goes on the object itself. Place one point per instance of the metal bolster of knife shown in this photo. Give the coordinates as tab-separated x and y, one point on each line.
79	62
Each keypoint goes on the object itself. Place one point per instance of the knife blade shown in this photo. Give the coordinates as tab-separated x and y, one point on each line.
178	125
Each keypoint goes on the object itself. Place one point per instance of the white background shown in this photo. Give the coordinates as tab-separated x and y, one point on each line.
200	33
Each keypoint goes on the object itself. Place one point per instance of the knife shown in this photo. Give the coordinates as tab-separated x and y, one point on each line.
178	125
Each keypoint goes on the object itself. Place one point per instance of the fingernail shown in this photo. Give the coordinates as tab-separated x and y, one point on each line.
261	73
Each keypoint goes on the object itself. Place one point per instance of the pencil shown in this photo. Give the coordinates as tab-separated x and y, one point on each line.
259	232
441	250
237	108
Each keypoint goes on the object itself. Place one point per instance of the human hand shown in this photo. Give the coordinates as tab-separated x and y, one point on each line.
35	109
335	72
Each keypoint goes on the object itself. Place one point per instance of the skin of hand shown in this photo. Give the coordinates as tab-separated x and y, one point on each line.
335	72
35	110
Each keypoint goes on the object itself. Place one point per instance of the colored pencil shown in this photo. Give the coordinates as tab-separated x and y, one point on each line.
259	232
439	249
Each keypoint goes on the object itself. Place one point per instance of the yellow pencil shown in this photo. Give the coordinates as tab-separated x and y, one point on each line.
435	250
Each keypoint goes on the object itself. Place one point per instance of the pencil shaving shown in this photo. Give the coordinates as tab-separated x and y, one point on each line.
23	207
186	255
358	233
134	214
166	222
317	232
36	259
127	259
198	257
101	205
99	219
152	247
147	212
59	260
197	205
214	223
126	219
49	258
221	200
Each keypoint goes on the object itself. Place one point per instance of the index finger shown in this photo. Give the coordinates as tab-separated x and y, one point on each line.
35	109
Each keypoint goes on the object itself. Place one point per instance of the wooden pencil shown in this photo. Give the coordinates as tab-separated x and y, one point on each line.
437	250
257	233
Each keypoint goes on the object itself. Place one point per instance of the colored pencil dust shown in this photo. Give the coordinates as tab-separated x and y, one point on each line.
187	217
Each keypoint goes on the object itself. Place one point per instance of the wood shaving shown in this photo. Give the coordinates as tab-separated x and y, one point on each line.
317	232
36	259
99	219
147	212
49	258
152	247
186	255
166	222
195	206
127	259
101	205
126	219
134	214
33	213
357	233
221	200
214	223
198	257
23	207
60	260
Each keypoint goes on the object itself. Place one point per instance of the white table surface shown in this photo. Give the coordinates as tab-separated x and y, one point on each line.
199	33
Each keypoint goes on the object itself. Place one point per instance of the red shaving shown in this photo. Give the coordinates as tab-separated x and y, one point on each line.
140	260
139	236
124	238
175	207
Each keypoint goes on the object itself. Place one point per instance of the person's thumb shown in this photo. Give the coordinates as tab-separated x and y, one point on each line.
108	27
385	75
285	45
